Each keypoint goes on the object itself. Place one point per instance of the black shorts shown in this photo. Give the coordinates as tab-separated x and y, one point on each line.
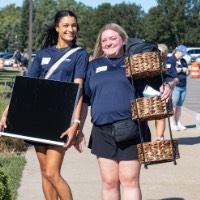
102	144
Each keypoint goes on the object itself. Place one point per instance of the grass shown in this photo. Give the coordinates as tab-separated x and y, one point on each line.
12	161
13	165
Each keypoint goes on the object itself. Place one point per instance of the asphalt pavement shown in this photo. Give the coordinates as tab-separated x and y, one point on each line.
164	181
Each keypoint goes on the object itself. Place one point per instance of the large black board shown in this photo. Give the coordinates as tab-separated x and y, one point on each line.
40	110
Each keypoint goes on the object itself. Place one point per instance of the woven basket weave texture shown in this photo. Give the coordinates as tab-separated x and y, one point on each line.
144	65
151	108
158	151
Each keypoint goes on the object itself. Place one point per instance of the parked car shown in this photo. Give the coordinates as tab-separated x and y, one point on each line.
196	59
7	56
193	51
9	62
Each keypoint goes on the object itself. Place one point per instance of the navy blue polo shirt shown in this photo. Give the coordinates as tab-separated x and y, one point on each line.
109	90
75	66
171	66
172	63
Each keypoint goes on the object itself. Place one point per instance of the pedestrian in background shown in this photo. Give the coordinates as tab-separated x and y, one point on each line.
17	57
160	124
181	71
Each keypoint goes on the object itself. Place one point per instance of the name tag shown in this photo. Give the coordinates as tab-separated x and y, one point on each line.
45	61
168	66
100	69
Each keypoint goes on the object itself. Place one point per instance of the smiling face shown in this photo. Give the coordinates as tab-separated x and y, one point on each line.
112	44
67	29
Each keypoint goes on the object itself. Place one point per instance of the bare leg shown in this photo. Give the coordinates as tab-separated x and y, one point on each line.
51	174
172	118
129	173
160	128
177	114
48	189
110	179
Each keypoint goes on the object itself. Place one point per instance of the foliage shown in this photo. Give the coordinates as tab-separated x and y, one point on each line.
12	168
11	165
9	22
172	22
5	192
9	145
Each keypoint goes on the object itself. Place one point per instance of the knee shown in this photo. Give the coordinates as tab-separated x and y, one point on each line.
130	181
51	176
111	183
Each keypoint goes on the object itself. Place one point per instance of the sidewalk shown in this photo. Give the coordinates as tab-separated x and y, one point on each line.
159	182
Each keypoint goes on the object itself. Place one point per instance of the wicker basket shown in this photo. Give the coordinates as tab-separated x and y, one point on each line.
145	65
158	151
151	108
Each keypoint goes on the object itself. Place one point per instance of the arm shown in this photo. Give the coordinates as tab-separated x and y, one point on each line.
3	119
72	130
167	88
80	138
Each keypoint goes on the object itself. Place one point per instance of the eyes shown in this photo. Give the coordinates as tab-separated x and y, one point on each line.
75	25
109	39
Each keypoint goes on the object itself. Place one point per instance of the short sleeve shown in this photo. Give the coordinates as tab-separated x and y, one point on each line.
81	64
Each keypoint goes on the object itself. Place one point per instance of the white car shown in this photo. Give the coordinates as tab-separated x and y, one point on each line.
193	51
9	62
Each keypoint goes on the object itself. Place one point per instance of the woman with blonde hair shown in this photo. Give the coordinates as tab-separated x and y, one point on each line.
109	93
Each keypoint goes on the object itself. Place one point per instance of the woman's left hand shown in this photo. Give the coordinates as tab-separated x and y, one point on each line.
80	141
71	136
166	92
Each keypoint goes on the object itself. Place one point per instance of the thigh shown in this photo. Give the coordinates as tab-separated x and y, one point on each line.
109	169
129	171
54	158
50	157
41	155
176	96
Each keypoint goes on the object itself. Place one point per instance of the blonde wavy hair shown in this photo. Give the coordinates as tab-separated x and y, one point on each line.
98	52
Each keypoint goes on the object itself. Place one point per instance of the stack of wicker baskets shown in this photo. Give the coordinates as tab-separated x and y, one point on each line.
144	65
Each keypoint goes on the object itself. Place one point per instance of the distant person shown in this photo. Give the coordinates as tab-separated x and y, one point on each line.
181	70
161	123
25	58
59	38
18	57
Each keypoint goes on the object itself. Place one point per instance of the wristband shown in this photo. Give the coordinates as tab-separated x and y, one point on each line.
166	83
77	121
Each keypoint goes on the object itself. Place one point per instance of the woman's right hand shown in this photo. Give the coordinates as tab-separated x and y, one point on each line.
3	120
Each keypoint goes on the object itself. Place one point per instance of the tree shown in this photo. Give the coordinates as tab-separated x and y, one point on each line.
173	22
24	25
42	18
9	21
129	17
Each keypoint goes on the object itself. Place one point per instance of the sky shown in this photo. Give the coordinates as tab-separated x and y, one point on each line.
145	4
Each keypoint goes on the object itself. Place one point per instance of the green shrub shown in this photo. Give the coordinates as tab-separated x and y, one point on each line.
5	193
12	166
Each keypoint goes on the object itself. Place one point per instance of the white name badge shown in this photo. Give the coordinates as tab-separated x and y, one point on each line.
45	61
168	66
100	69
